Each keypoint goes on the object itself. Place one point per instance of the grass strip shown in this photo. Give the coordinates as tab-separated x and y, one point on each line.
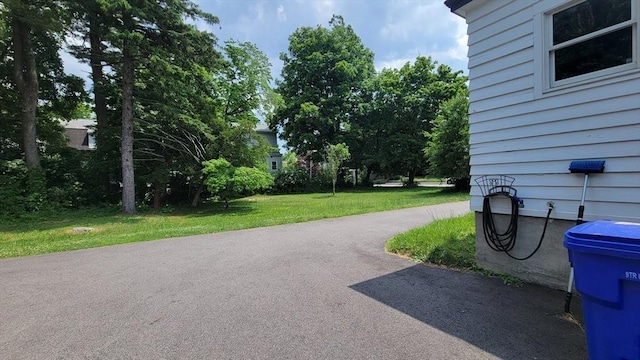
448	242
41	233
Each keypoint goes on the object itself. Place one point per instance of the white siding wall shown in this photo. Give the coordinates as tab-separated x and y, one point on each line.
517	129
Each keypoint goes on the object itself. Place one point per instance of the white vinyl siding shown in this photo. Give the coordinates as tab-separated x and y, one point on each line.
517	130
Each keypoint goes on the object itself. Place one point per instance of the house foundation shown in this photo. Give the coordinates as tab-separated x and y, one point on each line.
549	266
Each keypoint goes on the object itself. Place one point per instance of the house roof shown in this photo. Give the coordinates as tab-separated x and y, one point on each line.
77	138
86	124
454	5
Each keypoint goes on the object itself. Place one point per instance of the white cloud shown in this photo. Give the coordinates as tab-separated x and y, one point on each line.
258	10
406	19
324	10
429	29
462	39
282	16
396	63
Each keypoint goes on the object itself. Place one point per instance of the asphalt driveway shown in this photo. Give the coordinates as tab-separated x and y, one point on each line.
318	290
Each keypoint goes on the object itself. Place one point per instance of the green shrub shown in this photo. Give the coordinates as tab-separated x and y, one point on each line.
290	181
63	182
12	182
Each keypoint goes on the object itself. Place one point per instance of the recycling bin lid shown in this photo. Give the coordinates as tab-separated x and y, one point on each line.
606	230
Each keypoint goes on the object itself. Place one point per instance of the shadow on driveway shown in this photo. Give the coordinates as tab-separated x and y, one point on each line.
510	322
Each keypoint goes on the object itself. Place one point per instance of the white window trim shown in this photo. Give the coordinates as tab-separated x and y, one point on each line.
543	82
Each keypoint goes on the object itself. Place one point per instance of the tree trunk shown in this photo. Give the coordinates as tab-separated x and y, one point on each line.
367	177
157	192
96	59
462	184
128	179
196	197
26	77
412	177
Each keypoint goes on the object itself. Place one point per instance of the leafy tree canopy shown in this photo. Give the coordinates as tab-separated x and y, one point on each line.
324	69
448	147
404	104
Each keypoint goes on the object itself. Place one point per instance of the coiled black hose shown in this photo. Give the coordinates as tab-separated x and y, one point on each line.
505	241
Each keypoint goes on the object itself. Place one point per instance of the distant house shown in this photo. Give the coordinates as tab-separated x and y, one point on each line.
552	81
80	133
274	160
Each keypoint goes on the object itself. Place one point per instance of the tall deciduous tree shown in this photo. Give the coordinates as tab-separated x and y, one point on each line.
244	95
409	100
448	147
324	69
371	127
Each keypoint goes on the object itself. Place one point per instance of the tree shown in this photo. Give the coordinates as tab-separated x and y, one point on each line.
228	182
146	28
93	24
407	102
204	104
35	94
448	147
28	19
335	156
174	97
368	138
244	96
324	69
289	160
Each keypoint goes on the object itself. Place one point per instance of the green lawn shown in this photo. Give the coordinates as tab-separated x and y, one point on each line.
46	233
448	242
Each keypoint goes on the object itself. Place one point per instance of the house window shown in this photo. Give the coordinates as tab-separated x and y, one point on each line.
274	165
591	38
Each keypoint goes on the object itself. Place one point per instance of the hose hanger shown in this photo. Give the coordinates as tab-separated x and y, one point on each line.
503	241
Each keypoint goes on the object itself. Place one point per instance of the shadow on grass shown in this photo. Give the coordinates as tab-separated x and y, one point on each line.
237	207
505	321
94	217
100	216
324	196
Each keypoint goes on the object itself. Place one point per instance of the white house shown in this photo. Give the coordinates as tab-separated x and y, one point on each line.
552	81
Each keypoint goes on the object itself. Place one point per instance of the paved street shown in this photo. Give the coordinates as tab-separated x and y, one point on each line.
319	290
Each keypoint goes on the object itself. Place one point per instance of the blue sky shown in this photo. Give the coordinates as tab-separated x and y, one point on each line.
396	31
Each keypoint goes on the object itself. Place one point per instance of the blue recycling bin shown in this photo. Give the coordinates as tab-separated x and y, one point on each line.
606	259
